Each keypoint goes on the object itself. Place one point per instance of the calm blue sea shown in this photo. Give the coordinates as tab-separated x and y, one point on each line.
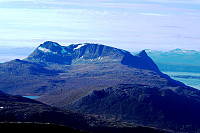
32	97
188	81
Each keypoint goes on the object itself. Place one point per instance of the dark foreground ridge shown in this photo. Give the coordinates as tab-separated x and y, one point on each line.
17	112
38	126
99	80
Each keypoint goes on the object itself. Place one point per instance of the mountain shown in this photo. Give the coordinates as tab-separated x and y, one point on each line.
88	53
178	60
179	56
183	51
67	73
177	51
50	52
63	76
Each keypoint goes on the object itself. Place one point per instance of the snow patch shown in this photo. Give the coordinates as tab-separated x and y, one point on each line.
55	44
100	58
124	51
79	46
45	50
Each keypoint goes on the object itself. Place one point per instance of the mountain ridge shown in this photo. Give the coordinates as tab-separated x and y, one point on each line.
83	61
88	53
177	60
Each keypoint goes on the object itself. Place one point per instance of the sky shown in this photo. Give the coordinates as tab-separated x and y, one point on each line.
128	24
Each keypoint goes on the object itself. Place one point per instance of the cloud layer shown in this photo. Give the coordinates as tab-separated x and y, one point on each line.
150	24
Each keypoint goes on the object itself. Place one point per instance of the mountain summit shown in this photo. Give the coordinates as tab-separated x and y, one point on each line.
87	53
50	52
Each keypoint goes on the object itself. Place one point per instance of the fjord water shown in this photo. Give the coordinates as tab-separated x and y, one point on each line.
193	82
32	97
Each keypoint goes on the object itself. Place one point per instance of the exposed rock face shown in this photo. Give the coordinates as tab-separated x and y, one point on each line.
142	61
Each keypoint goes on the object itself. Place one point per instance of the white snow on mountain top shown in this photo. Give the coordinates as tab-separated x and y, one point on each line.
55	44
79	46
45	50
178	50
